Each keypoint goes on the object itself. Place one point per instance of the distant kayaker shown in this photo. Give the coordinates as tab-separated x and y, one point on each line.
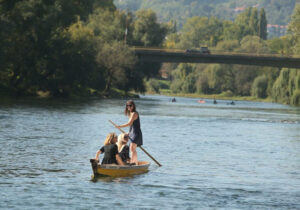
110	150
123	148
135	133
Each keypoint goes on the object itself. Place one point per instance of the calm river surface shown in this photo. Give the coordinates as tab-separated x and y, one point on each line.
214	156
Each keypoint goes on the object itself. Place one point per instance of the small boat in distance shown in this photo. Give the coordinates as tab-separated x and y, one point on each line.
201	101
118	170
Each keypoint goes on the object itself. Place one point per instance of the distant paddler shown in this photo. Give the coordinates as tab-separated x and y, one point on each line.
201	101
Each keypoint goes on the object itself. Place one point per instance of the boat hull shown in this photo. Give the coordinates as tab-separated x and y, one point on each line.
118	170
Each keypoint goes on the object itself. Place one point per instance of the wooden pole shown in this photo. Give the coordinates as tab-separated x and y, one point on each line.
138	146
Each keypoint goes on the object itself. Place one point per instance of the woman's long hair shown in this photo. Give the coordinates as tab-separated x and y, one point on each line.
121	142
110	139
129	102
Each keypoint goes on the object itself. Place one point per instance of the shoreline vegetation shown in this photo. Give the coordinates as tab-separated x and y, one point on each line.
116	93
227	95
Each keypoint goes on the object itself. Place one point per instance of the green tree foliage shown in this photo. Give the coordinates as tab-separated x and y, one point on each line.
253	21
199	31
183	79
262	25
36	50
286	88
228	45
107	25
146	30
73	47
296	98
294	28
286	85
259	87
115	74
253	44
277	11
232	31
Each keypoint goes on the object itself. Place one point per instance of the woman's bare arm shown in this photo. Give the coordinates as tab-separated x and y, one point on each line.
132	118
97	155
119	160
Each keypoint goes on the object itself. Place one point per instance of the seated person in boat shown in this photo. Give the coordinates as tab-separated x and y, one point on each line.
110	150
123	148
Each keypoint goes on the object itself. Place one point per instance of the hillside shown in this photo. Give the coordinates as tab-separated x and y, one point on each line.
278	11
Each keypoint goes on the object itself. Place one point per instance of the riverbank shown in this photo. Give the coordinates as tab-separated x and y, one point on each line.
113	93
119	94
214	96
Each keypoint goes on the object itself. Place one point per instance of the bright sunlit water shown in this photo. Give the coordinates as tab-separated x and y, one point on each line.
214	156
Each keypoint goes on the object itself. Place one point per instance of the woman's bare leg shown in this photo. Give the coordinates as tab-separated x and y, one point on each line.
133	153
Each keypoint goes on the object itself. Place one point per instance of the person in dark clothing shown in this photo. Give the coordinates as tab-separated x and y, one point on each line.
123	148
110	150
135	133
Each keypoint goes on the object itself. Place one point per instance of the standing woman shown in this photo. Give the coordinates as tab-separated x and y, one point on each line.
135	133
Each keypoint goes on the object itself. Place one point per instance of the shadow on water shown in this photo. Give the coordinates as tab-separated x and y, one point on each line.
103	178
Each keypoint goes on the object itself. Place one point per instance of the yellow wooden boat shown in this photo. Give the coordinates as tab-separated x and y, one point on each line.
118	170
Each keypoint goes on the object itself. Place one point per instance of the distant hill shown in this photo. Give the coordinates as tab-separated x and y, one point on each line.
278	11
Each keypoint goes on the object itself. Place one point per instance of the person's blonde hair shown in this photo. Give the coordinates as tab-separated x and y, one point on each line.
110	139
120	142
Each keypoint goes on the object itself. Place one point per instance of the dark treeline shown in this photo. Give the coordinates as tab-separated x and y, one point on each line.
77	47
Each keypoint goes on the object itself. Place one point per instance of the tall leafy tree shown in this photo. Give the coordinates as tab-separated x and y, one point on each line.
115	58
199	31
294	29
253	21
146	29
262	24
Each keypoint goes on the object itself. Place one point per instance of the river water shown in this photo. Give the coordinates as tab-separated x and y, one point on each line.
214	156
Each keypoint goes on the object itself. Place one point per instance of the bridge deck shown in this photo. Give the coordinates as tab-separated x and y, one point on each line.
242	59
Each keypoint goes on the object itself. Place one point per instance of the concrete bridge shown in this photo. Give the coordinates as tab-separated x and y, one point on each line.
167	56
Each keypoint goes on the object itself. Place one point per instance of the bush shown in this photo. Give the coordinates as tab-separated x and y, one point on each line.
153	85
227	93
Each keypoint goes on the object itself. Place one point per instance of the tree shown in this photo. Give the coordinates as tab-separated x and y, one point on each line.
228	46
253	44
259	87
262	25
115	73
232	31
36	49
107	25
294	29
146	30
253	21
199	31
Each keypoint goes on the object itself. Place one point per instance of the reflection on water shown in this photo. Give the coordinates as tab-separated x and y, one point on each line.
242	156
